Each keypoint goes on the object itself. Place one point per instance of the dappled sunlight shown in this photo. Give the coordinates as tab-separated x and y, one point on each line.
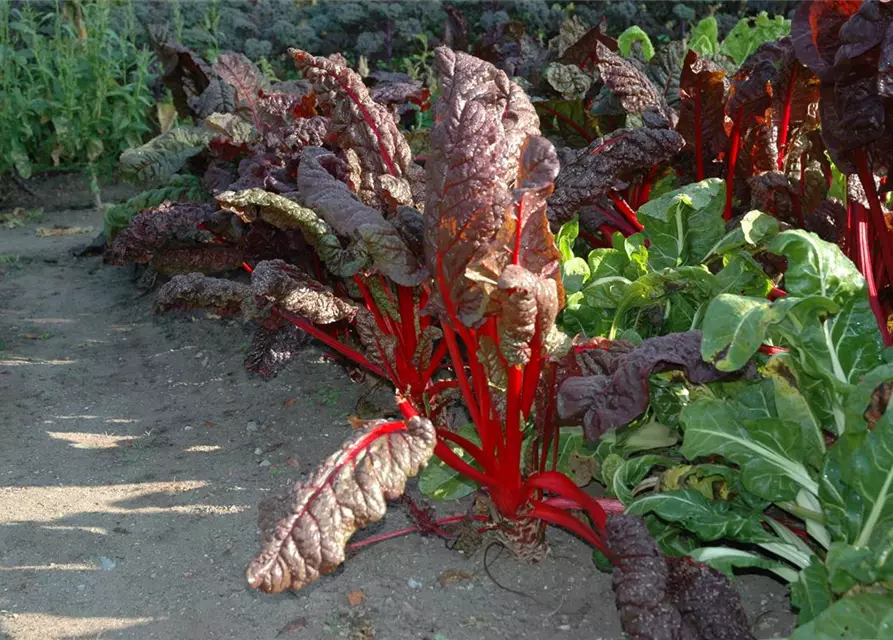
79	440
21	361
49	320
47	504
53	566
85	627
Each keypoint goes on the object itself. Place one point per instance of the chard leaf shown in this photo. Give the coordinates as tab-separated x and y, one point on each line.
866	615
857	487
708	519
747	36
704	37
735	326
482	122
844	347
810	593
768	451
860	397
685	224
632	472
754	230
574	273
816	267
333	201
792	406
726	559
341	496
703	87
566	237
163	156
592	172
635	35
360	124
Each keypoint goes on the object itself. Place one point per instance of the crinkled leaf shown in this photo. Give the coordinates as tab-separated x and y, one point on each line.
606	402
304	533
583	52
334	202
169	225
163	156
287	287
204	258
359	123
273	347
592	172
704	37
629	83
197	291
664	597
703	87
284	213
482	120
245	77
568	80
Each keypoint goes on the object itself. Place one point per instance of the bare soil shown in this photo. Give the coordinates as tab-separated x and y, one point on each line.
133	453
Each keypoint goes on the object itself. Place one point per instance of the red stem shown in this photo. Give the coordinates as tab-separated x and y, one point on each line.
459	368
777	293
407	530
647	183
699	142
625	210
407	319
863	262
734	145
770	350
786	119
513	422
878	221
436	360
329	341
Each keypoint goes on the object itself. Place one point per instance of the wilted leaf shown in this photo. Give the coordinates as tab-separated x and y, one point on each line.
197	291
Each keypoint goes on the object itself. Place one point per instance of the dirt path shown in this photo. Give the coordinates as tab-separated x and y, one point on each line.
133	453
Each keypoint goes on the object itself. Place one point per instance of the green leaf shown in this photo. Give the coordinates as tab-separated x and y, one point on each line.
810	593
685	224
634	34
647	436
816	267
632	472
768	451
857	492
441	482
704	38
866	615
740	325
576	456
747	36
754	229
709	520
726	559
791	405
566	237
574	273
159	159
